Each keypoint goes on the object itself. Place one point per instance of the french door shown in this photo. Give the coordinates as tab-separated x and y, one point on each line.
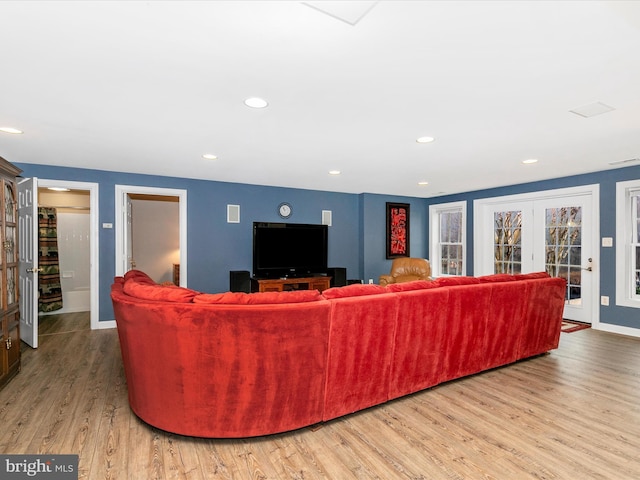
553	232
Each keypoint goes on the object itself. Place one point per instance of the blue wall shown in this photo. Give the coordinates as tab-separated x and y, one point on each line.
356	239
215	247
612	314
373	246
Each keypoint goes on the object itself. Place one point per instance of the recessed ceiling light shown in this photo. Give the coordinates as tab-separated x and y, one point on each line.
255	102
425	139
10	130
334	172
423	183
58	189
529	161
210	156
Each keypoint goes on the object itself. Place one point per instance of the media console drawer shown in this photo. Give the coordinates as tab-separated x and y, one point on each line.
285	284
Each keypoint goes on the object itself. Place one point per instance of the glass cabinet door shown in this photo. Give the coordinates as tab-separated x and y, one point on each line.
9	243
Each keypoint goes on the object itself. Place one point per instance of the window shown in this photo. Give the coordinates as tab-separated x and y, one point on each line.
628	243
447	240
507	246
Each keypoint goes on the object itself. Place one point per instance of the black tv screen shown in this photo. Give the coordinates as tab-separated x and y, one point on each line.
289	249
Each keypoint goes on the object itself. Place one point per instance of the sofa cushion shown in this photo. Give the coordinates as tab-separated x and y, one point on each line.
407	286
497	277
354	290
533	275
451	281
169	293
259	298
138	276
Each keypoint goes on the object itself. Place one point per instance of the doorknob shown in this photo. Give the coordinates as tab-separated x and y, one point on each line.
589	267
34	270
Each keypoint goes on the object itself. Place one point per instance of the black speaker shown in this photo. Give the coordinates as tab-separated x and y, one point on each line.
338	276
240	281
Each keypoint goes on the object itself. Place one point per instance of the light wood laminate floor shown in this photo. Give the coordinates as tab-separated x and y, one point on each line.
571	414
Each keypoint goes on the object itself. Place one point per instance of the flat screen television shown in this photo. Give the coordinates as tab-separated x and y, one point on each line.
289	249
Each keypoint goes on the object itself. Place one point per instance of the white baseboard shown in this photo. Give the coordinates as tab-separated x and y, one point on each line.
607	327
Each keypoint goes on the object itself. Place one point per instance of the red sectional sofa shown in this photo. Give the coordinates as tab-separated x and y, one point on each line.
240	365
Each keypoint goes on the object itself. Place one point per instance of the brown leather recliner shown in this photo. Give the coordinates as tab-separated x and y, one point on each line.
406	269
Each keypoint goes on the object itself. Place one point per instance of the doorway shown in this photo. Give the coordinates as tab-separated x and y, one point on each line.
85	272
72	215
142	241
554	231
155	239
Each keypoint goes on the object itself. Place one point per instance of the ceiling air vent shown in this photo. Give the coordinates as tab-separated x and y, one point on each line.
592	109
625	162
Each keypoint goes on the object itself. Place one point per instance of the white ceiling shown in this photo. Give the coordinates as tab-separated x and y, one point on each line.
148	87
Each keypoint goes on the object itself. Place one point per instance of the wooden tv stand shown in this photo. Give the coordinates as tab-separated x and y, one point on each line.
286	284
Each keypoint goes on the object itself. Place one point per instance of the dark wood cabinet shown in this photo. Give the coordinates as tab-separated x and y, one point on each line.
286	284
9	308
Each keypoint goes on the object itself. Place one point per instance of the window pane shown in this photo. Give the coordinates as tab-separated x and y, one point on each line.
551	236
456	229
575	254
444	227
575	237
517	254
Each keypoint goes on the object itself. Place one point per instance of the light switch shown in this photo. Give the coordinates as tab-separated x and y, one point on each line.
607	241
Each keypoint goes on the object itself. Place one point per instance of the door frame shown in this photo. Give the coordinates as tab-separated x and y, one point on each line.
94	239
121	194
592	192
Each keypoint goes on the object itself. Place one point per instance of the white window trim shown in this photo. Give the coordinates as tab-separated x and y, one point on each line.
624	230
434	237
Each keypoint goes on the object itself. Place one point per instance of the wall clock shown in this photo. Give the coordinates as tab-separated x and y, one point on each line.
285	210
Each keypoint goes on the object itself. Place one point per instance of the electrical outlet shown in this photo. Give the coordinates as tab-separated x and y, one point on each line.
371	280
604	300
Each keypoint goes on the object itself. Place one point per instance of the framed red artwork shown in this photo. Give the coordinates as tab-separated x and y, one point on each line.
397	230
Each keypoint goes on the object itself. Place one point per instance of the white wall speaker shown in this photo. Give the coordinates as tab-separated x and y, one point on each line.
326	217
233	213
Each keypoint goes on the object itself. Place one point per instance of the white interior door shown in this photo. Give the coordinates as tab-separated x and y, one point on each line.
28	260
131	261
